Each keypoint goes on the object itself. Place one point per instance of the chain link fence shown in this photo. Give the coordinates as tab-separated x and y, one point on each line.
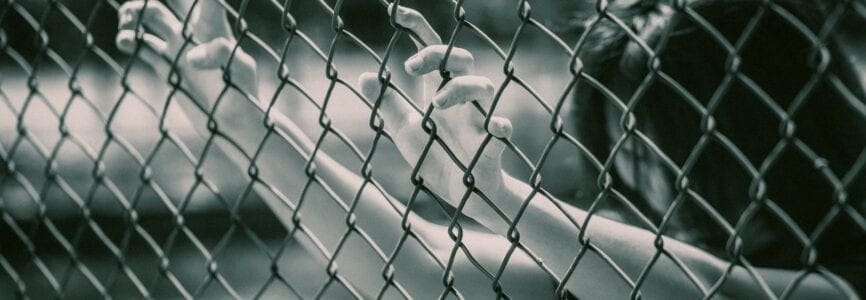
110	189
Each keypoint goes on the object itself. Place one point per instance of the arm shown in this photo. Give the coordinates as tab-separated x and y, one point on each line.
239	116
546	230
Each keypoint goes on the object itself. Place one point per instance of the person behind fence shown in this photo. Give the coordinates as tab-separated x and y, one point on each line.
776	91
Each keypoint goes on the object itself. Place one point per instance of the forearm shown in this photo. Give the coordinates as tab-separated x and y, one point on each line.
286	151
284	157
548	232
382	219
741	284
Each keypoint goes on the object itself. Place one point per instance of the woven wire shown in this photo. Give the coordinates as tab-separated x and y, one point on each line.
38	192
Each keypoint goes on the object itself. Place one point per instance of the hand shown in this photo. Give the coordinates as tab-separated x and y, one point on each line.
199	65
459	124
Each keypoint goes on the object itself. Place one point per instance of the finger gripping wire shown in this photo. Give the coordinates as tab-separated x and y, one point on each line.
130	172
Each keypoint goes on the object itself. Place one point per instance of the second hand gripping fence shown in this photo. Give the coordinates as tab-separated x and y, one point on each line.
44	253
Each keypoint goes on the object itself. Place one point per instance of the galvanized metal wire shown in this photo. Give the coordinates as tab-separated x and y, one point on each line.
41	189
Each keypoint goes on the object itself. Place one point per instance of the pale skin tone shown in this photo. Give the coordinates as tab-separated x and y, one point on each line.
545	230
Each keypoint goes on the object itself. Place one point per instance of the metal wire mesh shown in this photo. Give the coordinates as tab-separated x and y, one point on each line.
60	247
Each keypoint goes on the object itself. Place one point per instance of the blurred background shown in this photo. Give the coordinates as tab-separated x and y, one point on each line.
115	134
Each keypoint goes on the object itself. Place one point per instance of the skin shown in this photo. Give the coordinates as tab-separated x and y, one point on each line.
545	229
239	116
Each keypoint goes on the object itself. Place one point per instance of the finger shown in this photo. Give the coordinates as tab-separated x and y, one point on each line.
500	128
216	53
464	89
211	9
394	110
220	52
424	36
153	50
180	7
212	14
413	20
460	61
154	15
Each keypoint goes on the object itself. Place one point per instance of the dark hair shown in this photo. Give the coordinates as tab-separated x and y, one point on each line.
778	59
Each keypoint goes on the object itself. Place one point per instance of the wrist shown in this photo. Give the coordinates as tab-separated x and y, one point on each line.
508	197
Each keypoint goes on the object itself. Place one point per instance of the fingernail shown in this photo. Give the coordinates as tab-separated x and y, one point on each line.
414	63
